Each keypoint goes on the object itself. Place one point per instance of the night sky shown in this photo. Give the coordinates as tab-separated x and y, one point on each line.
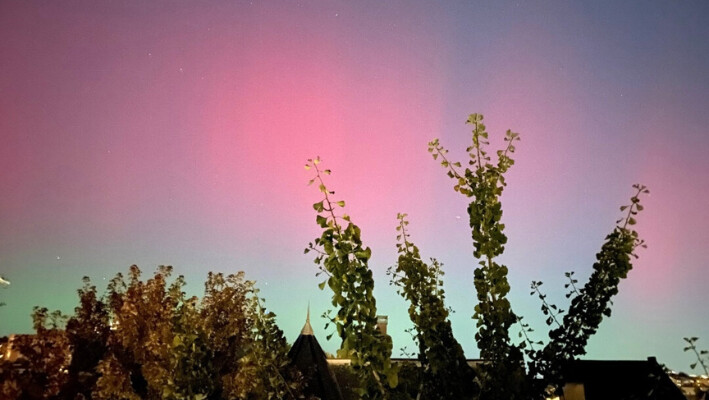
175	132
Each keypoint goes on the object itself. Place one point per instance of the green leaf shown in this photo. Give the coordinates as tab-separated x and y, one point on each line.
392	378
341	203
318	206
322	221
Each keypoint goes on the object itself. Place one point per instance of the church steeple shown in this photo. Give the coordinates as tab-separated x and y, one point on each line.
307	329
307	355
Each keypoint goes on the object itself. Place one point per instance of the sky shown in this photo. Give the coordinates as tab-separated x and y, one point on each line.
175	132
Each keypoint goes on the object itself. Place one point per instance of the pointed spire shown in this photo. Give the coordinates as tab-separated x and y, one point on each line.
307	329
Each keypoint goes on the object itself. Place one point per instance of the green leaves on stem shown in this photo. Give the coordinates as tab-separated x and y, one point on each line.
550	311
592	302
446	374
343	258
483	182
701	355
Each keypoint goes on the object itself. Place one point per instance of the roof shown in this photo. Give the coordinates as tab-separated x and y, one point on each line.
611	380
307	355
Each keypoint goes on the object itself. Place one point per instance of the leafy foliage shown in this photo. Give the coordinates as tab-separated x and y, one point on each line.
144	351
343	258
87	331
483	182
41	373
550	311
226	347
266	371
148	340
702	355
446	374
572	284
592	302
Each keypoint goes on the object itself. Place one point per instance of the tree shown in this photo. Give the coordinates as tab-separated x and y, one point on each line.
144	349
166	346
266	371
343	258
446	374
46	356
503	374
87	332
225	316
592	302
483	182
148	340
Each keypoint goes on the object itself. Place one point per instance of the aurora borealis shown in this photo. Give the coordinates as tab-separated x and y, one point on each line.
175	132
